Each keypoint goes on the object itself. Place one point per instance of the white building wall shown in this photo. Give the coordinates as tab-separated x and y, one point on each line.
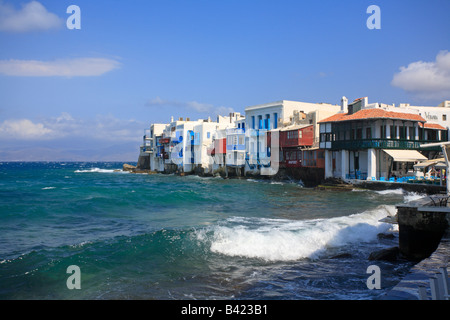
371	163
285	111
344	163
328	164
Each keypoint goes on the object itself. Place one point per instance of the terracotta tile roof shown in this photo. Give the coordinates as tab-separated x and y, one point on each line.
432	126
374	113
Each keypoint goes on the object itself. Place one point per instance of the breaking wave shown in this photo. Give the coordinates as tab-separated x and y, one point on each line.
286	240
98	170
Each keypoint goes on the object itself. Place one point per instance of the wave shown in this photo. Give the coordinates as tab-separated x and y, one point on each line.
288	240
407	196
411	196
99	170
391	191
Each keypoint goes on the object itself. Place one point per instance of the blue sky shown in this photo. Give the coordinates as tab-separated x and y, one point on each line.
89	94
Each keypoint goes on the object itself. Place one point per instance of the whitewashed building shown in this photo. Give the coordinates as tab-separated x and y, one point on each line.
271	116
375	141
182	145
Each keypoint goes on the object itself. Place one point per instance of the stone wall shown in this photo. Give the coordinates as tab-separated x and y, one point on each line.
421	227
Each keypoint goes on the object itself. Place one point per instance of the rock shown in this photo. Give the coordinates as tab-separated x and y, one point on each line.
388	236
390	254
341	256
128	167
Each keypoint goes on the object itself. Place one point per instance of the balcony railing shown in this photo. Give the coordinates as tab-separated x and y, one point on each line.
381	144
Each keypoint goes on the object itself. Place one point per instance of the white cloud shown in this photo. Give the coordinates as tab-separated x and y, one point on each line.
24	129
102	128
33	16
203	108
78	67
426	79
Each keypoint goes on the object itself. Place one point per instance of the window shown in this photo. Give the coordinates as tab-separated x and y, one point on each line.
369	132
444	117
275	120
267	122
260	122
208	135
402	132
323	137
393	132
412	133
359	133
253	122
292	135
432	135
383	133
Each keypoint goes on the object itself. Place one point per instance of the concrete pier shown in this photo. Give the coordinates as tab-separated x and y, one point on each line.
421	188
422	223
420	274
424	236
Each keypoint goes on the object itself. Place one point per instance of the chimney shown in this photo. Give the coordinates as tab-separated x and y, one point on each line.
171	119
344	105
365	102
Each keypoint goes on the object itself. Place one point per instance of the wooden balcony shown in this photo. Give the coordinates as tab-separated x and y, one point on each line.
381	144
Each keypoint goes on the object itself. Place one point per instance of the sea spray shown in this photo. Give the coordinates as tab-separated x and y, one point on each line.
286	240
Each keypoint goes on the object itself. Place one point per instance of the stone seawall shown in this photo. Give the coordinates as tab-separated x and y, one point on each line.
409	187
420	274
422	223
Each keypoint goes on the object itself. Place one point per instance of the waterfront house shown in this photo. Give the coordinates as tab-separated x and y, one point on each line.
292	141
433	114
150	148
374	142
273	117
235	148
218	150
182	145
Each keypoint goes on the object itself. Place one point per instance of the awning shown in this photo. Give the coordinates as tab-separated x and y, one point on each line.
405	155
440	165
429	163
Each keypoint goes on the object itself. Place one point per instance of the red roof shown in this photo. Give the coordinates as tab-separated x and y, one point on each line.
432	126
374	113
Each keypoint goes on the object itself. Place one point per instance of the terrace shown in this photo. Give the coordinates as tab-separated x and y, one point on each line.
379	143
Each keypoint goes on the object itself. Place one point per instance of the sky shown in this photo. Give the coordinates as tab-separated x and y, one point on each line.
89	94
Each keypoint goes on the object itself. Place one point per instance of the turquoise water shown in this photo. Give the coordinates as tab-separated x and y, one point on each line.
137	236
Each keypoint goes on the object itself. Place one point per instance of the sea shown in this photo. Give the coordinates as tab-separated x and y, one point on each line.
170	237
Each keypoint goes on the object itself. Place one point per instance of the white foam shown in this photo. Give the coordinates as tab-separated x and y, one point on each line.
391	191
97	170
48	188
287	240
411	196
407	196
81	244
